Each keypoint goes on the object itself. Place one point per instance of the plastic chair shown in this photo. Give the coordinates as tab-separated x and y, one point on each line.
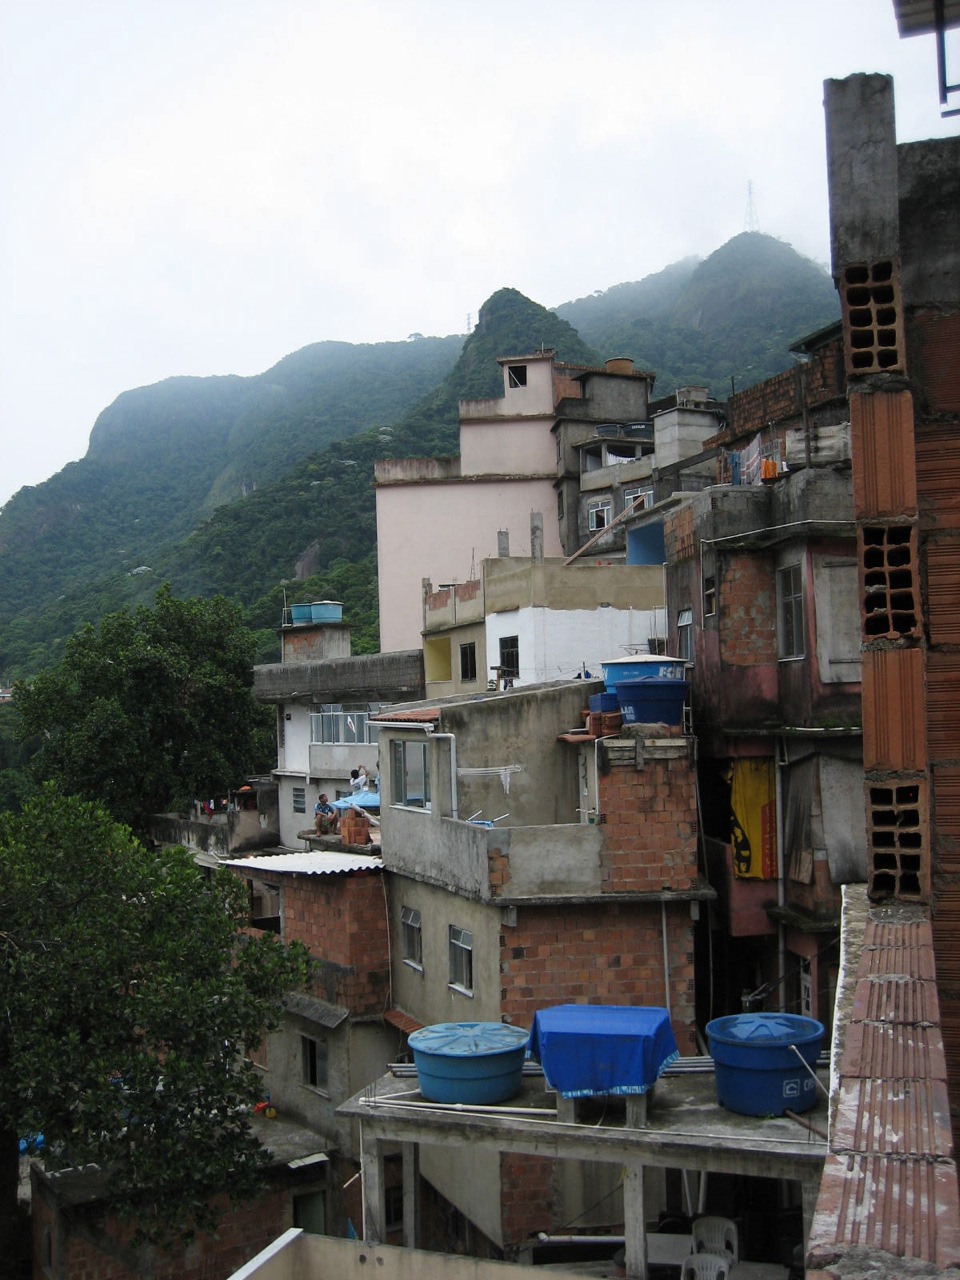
705	1266
716	1235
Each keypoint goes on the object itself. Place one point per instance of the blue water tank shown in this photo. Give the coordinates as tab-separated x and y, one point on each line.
653	701
469	1062
326	611
641	666
759	1061
300	613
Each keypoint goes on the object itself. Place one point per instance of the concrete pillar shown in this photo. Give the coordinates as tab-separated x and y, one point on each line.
372	1186
862	169
536	537
410	1153
634	1219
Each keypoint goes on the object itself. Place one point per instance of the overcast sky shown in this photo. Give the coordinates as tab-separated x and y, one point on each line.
202	186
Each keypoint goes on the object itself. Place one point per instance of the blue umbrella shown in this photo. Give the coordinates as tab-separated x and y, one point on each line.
359	800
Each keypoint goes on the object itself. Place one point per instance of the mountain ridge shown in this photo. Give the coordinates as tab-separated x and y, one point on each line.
225	484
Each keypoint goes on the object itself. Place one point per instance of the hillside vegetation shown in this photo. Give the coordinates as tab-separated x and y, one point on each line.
261	488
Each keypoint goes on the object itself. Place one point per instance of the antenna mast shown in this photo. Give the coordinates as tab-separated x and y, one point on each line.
750	220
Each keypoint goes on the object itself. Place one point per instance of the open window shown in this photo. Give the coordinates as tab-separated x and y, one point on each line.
411	937
516	375
411	773
461	959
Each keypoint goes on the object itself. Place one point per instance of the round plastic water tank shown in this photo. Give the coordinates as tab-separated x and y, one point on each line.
469	1062
326	611
300	613
641	666
758	1064
653	701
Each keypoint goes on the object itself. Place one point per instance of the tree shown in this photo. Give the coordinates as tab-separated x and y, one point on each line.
150	709
130	997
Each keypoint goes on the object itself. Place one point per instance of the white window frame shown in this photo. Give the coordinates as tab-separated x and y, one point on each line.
685	635
461	959
411	931
300	799
791	621
639	491
516	375
594	510
410	765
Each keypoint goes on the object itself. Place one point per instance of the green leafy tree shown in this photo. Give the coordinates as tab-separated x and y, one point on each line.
130	996
150	709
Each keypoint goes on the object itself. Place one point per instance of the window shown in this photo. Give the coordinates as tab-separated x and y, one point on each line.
461	959
314	1062
790	611
411	774
709	596
310	1212
411	937
393	1203
559	504
630	496
598	514
299	799
341	727
685	635
516	375
510	656
264	905
468	661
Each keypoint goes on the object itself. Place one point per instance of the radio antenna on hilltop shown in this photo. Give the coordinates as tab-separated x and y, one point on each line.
750	220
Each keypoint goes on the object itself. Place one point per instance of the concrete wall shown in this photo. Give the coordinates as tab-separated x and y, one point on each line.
536	397
378	677
441	532
426	994
513	446
328	1258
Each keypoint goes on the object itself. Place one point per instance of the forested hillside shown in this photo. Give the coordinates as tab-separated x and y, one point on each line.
256	487
723	323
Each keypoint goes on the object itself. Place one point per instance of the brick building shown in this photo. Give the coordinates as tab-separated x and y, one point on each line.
586	890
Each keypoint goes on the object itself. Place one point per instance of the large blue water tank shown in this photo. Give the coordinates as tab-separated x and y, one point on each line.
759	1060
469	1062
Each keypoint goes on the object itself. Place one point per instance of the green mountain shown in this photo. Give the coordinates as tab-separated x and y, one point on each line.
726	321
261	488
321	513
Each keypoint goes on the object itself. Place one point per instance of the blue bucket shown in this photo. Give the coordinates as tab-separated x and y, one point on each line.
758	1070
653	701
469	1062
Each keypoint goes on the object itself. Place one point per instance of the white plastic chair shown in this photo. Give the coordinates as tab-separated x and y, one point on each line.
705	1266
716	1235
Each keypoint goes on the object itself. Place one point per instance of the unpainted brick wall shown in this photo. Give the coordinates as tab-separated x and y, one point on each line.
242	1233
650	826
341	919
747	609
602	953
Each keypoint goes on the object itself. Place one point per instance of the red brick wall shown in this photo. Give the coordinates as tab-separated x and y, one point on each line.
599	954
650	831
823	379
342	920
678	535
747	610
528	1199
242	1233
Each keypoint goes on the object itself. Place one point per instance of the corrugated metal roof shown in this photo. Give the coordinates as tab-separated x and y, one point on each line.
311	863
317	1010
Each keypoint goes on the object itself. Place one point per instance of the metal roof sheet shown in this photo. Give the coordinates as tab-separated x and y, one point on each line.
314	862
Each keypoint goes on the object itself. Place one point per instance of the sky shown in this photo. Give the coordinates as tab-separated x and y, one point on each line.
203	186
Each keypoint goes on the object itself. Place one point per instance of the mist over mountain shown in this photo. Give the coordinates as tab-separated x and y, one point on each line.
261	488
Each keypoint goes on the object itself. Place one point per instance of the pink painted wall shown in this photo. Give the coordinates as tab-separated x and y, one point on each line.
439	531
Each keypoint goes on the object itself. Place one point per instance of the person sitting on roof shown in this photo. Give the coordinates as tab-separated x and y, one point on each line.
324	816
